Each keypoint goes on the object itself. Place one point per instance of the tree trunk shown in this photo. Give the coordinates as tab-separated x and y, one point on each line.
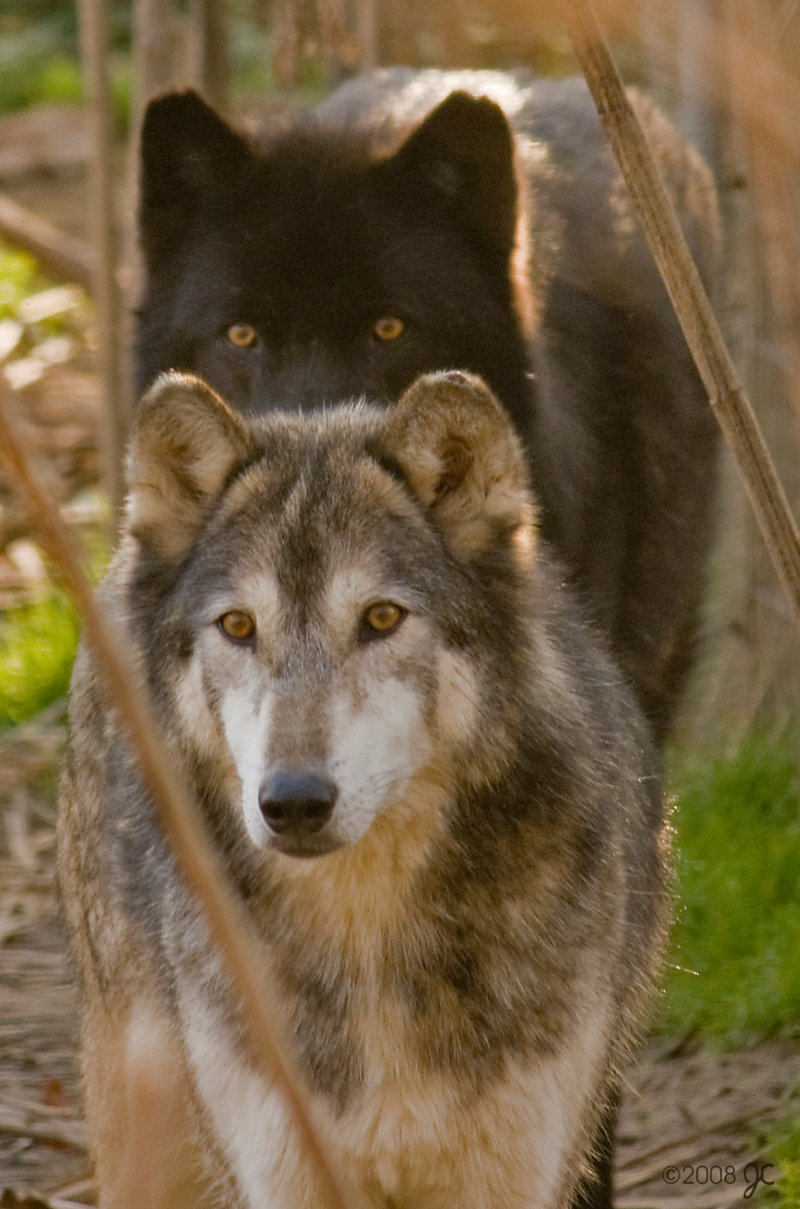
209	67
94	40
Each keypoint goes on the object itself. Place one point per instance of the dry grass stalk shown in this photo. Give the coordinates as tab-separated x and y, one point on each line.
179	818
662	229
59	255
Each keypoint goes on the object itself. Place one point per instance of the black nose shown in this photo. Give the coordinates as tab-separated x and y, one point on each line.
297	802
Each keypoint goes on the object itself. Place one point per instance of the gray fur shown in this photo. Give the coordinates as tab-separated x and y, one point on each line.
483	925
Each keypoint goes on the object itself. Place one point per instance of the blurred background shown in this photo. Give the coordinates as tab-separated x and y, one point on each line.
74	78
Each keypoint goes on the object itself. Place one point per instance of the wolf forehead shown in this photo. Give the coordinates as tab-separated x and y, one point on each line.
418	494
340	451
320	473
319	499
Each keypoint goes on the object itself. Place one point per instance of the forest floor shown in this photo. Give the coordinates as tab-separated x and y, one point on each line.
692	1121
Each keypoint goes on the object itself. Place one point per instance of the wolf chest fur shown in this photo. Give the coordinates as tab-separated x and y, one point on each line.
424	776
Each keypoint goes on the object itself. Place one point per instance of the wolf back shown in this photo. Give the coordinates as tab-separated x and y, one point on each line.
422	770
400	230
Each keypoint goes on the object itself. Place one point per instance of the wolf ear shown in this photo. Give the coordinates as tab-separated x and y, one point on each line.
186	441
186	150
458	449
463	153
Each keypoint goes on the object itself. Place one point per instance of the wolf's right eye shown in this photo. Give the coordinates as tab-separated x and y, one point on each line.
381	619
236	625
242	335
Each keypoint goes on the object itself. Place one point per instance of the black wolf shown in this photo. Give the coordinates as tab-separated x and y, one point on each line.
413	224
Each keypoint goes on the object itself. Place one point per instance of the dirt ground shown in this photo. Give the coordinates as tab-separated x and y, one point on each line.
691	1120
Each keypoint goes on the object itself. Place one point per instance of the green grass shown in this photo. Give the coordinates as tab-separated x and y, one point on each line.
39	54
784	1149
37	647
778	1146
19	278
38	64
734	971
37	640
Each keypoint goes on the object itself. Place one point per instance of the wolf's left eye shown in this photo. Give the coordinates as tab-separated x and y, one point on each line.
237	625
389	327
242	335
380	620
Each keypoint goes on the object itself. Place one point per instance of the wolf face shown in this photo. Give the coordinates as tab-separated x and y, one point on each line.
329	659
319	272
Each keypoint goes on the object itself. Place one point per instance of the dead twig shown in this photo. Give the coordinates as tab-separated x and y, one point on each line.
84	1190
723	1126
32	749
59	255
56	1133
709	1200
671	253
180	819
25	1200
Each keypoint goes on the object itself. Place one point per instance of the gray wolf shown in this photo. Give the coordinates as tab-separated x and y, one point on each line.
424	221
426	777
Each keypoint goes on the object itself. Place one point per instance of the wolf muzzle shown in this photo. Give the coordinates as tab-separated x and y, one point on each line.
297	804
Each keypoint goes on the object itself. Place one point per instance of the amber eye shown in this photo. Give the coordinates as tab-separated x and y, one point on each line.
242	335
388	328
381	618
237	625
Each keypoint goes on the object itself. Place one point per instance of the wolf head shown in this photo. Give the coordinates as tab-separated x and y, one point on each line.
329	607
315	268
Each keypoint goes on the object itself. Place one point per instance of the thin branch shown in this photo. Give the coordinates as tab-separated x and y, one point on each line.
59	255
180	819
662	230
69	1133
94	52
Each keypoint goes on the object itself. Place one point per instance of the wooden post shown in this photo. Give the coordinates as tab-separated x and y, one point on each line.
367	33
153	63
153	52
94	49
208	50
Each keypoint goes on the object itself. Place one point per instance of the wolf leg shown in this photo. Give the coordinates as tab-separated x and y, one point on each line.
599	1194
138	1103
